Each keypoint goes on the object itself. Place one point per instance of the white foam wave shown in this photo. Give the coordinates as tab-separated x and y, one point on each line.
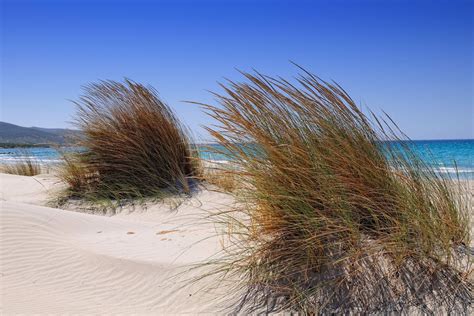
454	170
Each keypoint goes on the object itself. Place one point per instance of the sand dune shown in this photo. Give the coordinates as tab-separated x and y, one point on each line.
36	190
58	261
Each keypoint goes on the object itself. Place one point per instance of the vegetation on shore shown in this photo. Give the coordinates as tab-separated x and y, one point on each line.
329	220
134	146
23	167
26	145
222	179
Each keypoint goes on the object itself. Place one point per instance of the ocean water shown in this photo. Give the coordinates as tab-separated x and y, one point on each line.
445	155
43	155
448	155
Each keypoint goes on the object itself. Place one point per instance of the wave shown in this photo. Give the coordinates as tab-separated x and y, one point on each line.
454	170
11	160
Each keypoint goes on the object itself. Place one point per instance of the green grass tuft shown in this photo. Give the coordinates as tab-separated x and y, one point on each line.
332	218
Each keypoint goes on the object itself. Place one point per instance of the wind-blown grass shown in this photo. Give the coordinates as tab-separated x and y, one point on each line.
134	146
219	175
23	167
330	219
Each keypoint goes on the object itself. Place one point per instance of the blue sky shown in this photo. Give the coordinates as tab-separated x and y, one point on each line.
413	59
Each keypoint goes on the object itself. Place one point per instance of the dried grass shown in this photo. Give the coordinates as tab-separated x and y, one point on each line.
222	179
23	167
134	145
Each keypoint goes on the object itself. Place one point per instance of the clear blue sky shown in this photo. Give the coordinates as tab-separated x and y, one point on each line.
413	59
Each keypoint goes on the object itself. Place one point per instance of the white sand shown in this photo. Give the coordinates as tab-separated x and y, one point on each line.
57	261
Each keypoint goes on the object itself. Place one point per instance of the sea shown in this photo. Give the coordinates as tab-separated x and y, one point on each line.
447	156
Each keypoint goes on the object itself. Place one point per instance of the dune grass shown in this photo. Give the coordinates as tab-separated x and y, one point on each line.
77	174
134	146
332	217
222	180
23	167
220	176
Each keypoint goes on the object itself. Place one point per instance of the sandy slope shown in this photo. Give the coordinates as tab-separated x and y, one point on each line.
56	261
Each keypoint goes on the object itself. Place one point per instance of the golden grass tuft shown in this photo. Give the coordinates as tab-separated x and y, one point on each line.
78	175
334	217
23	167
222	179
134	146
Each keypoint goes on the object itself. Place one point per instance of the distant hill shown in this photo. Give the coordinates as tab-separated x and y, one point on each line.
14	134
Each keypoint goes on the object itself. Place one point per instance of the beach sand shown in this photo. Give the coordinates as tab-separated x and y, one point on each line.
59	261
136	262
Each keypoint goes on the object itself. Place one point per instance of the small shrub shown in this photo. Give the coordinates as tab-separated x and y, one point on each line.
332	217
134	146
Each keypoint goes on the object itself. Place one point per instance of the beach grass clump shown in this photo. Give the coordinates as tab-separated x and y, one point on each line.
75	172
337	214
25	166
220	176
133	145
222	180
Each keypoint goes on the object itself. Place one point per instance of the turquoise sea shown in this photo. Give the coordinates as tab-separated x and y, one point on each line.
446	155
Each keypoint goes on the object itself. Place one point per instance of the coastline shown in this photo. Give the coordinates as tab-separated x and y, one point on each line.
442	153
